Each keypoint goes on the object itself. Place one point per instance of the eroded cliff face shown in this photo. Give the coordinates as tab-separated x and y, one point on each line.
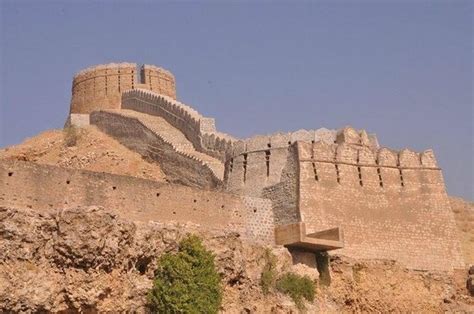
89	259
83	148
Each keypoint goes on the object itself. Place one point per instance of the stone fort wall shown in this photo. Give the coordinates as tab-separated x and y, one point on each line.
43	187
101	86
199	130
258	162
390	205
133	134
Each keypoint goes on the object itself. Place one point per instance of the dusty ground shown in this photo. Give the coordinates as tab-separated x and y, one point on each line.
464	215
85	148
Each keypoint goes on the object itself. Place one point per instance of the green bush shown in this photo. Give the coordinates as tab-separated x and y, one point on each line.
297	287
187	281
268	278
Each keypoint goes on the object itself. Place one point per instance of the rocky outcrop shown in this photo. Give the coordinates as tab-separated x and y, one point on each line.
93	150
90	260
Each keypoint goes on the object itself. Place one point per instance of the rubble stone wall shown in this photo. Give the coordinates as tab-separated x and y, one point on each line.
43	187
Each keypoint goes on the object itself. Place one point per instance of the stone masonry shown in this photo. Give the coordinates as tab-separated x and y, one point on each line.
387	204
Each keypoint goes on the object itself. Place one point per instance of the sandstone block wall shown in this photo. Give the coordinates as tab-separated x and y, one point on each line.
390	205
158	80
199	130
101	86
42	187
178	168
258	162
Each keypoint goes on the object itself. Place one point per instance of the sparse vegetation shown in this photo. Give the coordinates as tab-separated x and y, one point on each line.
71	136
269	274
186	281
297	287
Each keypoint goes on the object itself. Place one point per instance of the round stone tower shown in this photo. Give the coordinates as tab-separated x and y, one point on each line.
101	86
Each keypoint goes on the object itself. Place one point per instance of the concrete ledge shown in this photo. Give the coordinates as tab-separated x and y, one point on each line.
294	236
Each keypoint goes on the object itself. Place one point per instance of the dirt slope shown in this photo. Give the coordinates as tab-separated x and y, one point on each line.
86	148
464	216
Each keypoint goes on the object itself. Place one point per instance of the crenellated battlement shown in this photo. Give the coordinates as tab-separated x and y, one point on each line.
349	161
200	130
101	86
390	204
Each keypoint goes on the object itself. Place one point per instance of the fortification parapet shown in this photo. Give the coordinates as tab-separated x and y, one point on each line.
387	157
428	159
346	135
199	130
346	153
257	164
283	140
408	158
351	136
158	80
101	86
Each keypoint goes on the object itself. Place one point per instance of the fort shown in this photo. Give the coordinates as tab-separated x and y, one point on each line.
310	190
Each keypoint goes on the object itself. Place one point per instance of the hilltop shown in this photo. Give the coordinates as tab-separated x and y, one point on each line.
83	148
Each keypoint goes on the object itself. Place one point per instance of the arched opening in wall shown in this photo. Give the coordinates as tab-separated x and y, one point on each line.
267	161
245	167
10	174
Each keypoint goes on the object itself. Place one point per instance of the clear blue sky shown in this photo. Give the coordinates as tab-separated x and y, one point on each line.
400	69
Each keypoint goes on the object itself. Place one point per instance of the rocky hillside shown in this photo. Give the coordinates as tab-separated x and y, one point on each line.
89	259
464	215
84	148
